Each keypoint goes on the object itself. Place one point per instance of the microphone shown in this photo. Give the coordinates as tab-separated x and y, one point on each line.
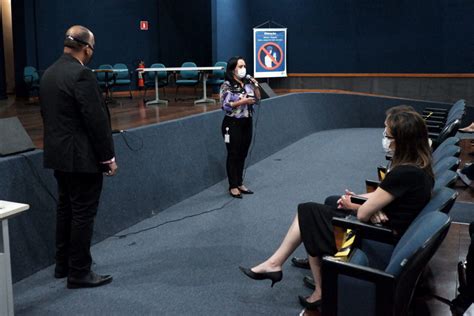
254	81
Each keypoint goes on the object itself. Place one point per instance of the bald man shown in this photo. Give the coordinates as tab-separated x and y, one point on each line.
78	146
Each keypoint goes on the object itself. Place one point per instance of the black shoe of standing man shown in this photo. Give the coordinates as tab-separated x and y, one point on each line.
89	280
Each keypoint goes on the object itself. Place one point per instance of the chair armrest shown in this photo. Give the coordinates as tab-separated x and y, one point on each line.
371	185
366	230
332	269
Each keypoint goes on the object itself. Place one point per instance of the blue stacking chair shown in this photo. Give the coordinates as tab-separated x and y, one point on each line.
357	288
218	75
150	78
123	77
188	78
31	78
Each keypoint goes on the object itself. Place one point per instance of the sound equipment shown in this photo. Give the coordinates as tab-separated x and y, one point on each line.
266	91
13	137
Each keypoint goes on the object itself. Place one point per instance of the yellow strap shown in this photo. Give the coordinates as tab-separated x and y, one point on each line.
349	237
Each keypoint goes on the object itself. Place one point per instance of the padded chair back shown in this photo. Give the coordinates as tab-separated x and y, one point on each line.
457	115
162	75
219	74
459	105
449	130
101	75
189	74
450	141
122	75
30	75
447	163
412	253
442	201
445	179
444	151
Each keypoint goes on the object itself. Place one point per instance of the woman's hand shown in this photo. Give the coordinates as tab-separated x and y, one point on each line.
247	100
379	217
347	192
345	202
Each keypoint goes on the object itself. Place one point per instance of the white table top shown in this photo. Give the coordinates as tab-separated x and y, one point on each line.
180	68
9	209
109	70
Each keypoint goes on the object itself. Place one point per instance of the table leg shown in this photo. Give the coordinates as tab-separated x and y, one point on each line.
108	97
204	99
6	290
157	100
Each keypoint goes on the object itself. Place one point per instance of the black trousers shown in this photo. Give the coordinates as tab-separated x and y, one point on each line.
79	195
240	131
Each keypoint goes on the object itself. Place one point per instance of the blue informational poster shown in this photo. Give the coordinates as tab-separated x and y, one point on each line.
269	49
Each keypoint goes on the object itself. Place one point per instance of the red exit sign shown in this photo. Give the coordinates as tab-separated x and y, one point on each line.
144	25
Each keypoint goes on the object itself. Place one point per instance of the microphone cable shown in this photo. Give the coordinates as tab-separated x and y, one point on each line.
125	135
254	136
121	236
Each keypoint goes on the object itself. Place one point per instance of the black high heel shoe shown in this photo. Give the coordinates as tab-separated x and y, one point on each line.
237	196
275	277
246	191
309	306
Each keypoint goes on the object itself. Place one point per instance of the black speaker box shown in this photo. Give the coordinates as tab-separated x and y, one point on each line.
13	137
266	91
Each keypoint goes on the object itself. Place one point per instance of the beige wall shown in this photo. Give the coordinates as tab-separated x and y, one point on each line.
8	44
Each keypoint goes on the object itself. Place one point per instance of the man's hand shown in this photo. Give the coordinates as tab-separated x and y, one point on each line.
112	169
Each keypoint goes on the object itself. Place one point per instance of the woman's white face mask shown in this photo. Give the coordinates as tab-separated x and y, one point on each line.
241	72
386	142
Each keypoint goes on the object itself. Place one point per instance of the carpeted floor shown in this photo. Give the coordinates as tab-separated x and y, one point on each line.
190	267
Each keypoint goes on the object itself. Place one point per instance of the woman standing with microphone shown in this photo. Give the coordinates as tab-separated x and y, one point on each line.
238	94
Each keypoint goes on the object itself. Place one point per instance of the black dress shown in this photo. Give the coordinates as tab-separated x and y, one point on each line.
410	186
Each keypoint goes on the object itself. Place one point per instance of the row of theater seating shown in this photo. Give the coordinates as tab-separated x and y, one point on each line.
383	270
123	77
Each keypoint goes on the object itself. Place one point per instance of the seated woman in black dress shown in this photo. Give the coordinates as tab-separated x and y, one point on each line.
403	193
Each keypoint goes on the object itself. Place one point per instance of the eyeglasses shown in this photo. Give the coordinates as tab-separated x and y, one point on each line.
386	135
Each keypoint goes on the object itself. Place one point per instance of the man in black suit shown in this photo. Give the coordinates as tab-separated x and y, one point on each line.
78	145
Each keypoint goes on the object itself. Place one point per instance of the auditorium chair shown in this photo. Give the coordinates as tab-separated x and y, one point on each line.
443	114
447	163
124	77
356	287
217	78
31	78
446	178
187	78
150	79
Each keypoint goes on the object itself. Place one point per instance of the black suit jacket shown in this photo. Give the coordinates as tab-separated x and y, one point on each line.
77	132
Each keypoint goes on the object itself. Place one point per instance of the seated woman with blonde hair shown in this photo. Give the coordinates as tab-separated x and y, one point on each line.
400	197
